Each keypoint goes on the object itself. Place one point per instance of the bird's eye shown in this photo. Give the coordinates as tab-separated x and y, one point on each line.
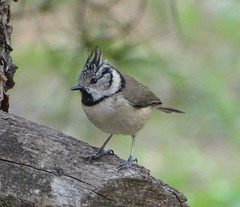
93	80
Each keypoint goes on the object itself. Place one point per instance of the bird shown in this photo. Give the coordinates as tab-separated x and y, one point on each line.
115	103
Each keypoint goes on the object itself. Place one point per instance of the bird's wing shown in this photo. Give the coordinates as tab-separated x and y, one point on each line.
137	94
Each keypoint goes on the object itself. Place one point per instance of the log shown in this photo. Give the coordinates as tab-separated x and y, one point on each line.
43	167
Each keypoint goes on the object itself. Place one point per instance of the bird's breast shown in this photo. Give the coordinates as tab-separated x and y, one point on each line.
115	115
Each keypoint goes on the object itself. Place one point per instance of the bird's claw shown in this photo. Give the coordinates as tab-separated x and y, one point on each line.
99	154
128	163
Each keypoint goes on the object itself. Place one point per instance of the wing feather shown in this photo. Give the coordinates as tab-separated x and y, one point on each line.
137	94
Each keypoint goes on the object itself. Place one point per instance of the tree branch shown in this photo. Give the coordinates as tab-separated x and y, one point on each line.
43	167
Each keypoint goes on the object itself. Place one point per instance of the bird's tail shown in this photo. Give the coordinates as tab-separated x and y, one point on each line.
168	109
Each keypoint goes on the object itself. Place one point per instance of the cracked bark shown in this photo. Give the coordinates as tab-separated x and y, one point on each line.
43	167
7	68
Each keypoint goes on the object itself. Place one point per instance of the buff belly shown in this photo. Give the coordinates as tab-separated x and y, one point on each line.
114	115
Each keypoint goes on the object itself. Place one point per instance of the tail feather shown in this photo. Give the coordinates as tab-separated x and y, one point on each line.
168	109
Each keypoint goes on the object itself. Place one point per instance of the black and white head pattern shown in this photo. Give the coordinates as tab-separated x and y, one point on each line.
98	79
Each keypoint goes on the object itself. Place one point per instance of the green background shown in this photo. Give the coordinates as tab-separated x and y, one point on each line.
186	52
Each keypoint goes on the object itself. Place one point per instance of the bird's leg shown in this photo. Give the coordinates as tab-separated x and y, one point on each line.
130	160
101	151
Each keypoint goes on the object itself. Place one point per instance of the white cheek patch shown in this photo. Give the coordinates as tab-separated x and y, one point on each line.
96	94
116	83
99	93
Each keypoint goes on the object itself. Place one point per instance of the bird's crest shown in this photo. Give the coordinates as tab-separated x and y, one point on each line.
94	60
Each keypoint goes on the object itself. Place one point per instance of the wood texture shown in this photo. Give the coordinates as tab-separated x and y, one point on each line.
43	167
7	68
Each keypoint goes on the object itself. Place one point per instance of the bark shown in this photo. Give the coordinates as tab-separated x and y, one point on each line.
43	167
7	68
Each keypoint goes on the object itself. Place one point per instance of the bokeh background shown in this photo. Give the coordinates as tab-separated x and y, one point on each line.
186	52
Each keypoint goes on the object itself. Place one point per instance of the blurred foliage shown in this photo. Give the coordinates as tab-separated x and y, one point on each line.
187	52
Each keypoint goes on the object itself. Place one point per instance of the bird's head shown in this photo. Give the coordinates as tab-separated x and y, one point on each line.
98	79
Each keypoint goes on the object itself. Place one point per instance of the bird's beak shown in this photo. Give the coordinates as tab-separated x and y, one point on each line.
78	87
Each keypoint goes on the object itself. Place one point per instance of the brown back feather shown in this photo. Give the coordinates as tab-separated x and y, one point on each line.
137	94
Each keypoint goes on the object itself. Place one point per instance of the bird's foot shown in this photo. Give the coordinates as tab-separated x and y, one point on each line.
99	154
128	163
